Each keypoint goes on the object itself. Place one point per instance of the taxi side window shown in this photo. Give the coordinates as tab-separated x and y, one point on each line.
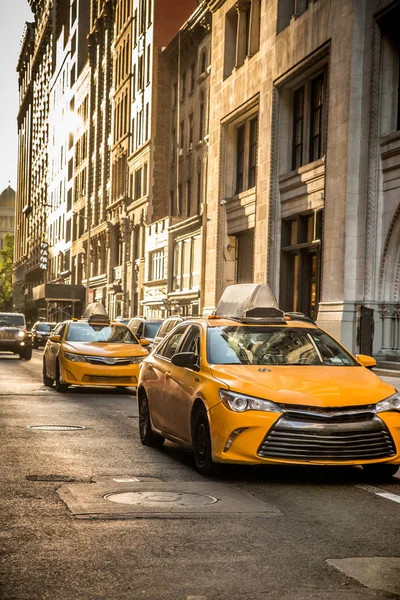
59	330
192	342
171	346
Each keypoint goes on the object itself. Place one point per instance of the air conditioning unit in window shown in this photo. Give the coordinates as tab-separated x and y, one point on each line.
180	151
190	148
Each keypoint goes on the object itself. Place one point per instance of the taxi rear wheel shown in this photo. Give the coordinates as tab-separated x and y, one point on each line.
60	387
380	472
147	435
201	442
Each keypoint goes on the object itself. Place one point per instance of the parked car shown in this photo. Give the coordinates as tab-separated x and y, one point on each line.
41	332
14	336
167	326
145	329
248	385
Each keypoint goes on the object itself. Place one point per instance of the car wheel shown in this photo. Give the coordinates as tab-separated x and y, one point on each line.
46	380
26	354
60	387
35	346
380	472
147	435
201	442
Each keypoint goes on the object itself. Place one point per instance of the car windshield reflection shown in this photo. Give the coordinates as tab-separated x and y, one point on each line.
260	345
105	334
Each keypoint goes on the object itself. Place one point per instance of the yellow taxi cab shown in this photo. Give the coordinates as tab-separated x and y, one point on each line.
92	351
253	386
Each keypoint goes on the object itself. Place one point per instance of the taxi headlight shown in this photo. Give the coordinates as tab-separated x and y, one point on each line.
241	402
137	359
74	357
390	404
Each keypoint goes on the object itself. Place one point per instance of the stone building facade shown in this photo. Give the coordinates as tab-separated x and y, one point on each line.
7	214
34	74
189	60
304	160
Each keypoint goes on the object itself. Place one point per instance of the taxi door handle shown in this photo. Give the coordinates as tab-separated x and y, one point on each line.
168	374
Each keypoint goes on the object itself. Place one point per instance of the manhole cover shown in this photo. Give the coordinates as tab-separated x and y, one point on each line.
161	499
57	427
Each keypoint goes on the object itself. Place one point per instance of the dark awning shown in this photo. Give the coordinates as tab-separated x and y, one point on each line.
59	291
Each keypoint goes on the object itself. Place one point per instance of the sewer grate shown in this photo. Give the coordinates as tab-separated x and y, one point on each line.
56	427
161	499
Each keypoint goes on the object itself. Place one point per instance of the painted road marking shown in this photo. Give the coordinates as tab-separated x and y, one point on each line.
378	492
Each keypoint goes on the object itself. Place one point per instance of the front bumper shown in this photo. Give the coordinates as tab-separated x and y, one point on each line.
271	438
83	373
15	346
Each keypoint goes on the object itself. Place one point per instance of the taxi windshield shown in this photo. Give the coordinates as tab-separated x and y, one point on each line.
104	334
261	345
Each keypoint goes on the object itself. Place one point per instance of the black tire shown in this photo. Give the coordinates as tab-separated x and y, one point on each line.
35	346
201	443
26	354
46	380
147	435
60	387
380	472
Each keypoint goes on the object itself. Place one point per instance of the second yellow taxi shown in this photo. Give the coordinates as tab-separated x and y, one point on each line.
92	351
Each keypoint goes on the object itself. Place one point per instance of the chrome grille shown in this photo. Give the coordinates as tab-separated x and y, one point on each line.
110	361
312	414
329	435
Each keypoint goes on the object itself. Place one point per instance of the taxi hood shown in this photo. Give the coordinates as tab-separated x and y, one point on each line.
101	349
321	386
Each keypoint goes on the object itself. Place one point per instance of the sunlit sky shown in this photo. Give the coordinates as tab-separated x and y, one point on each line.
13	15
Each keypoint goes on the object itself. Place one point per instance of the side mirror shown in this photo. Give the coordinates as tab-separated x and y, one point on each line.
55	338
144	342
366	361
185	359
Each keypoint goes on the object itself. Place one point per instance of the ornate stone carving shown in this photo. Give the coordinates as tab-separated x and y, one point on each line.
393	224
274	207
372	194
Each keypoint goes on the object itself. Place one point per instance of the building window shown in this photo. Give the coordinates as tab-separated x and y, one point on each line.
288	9
190	131
242	34
298	124
181	136
317	94
148	68
156	265
187	264
308	121
253	143
245	256
240	136
145	176
203	63
138	184
201	117
192	77
300	263
183	86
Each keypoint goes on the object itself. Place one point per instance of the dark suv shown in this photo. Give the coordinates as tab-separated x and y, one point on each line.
41	332
14	336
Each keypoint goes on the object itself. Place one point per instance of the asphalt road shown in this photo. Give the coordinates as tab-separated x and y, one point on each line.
325	533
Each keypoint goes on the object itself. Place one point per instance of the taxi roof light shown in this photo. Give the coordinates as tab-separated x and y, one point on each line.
250	301
95	312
